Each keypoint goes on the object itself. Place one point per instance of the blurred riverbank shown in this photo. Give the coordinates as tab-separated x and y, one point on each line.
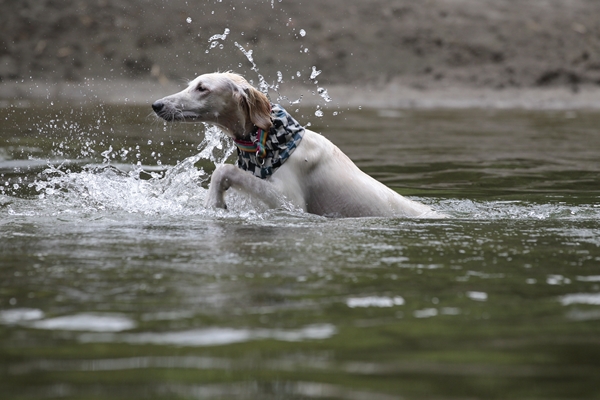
380	53
390	96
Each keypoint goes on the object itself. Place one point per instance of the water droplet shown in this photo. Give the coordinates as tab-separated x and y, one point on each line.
319	113
323	93
188	20
302	32
314	73
220	36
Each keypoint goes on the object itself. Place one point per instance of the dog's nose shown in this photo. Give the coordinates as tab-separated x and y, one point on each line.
157	106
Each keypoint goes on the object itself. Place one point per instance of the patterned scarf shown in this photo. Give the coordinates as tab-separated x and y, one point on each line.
265	152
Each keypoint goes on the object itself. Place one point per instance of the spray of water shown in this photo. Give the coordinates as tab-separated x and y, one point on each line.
214	40
134	188
116	183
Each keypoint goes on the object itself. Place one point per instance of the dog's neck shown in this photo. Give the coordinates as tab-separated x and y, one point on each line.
263	152
249	129
239	131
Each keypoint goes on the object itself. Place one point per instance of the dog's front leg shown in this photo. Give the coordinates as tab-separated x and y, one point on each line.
227	176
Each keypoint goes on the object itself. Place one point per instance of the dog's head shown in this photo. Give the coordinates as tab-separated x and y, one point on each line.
223	99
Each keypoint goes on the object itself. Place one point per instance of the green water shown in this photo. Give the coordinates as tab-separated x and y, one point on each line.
116	283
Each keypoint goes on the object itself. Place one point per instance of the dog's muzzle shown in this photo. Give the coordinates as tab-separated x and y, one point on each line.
167	112
158	106
163	111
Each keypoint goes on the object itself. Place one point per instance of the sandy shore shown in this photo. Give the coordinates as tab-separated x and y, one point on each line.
390	96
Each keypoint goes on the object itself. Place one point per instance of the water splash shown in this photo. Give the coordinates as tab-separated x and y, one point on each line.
220	37
105	187
111	185
102	176
214	40
323	93
263	85
314	73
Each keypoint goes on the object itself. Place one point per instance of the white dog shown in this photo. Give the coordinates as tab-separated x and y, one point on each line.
280	161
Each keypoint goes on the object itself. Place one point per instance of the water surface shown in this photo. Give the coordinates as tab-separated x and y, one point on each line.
116	282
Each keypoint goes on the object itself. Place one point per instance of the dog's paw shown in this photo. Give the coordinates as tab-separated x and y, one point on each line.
215	202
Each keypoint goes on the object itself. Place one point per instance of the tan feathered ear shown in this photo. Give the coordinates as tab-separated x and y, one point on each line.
259	108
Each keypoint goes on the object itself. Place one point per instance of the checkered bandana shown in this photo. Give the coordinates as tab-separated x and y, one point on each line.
265	152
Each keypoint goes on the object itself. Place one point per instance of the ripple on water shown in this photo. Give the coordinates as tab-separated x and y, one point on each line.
580	298
515	210
215	336
20	315
90	322
180	190
375	301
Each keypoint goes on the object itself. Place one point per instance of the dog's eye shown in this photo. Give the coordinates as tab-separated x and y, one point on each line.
201	88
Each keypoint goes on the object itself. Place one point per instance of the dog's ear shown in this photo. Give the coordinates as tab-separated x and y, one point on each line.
259	108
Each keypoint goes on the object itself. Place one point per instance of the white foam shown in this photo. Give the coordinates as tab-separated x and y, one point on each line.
19	315
425	313
477	296
86	322
580	298
374	301
216	336
592	278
